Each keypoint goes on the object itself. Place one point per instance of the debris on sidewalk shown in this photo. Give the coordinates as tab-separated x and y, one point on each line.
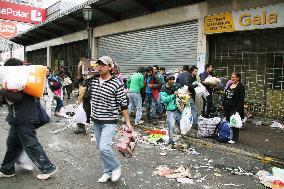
233	184
275	124
274	180
181	174
156	136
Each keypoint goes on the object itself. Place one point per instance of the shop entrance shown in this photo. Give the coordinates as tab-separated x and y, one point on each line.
259	56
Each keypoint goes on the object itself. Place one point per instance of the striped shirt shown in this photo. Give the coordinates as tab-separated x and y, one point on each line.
106	100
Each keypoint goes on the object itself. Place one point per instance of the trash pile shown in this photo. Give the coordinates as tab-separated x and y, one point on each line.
277	125
156	136
181	174
274	180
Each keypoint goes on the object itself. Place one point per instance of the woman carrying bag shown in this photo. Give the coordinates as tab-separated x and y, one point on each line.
234	102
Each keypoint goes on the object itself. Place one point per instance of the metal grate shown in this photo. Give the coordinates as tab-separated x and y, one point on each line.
259	57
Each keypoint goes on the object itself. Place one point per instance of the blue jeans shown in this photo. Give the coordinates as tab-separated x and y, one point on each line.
135	101
193	112
59	104
23	136
160	106
150	104
104	134
173	118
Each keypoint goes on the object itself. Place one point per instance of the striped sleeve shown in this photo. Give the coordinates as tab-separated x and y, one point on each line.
121	98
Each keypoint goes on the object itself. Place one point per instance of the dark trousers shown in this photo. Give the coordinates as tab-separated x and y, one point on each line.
68	89
59	104
23	136
207	106
228	113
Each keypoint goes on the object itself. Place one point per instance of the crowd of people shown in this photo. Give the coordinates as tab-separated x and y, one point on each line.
104	96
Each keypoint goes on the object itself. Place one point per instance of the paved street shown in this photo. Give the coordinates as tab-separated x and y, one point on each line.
80	167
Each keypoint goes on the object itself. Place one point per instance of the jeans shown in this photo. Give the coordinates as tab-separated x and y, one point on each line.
173	118
193	112
160	106
150	104
135	100
23	136
104	134
59	104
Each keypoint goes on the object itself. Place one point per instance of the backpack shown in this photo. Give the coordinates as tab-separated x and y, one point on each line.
222	131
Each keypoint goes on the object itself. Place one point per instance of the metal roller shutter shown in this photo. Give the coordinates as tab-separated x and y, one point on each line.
169	46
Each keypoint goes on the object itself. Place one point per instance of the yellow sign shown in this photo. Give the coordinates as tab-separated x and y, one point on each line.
271	16
219	23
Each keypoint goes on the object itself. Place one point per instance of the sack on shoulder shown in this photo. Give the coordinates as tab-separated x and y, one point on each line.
43	118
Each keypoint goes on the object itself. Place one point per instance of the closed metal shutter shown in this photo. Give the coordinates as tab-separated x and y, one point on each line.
169	46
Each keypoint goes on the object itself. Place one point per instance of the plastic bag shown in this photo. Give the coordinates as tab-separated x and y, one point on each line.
30	79
236	120
201	90
24	161
80	115
186	120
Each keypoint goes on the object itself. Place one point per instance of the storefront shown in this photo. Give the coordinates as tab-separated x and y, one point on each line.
170	46
68	55
251	42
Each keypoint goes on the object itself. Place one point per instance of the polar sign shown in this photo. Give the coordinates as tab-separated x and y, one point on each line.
21	13
7	30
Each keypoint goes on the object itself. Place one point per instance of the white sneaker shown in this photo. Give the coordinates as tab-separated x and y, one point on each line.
104	178
116	174
47	175
139	122
231	142
2	175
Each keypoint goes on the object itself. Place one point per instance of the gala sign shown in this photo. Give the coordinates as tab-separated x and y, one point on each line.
7	30
21	13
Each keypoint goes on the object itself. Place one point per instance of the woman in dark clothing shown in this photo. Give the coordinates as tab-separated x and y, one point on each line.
234	102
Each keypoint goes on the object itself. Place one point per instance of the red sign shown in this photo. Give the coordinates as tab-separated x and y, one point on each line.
7	30
21	13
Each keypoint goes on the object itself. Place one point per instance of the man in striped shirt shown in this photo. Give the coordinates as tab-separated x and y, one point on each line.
107	97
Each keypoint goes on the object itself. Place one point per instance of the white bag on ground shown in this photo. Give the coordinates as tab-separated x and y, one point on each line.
80	115
206	126
236	120
24	161
186	120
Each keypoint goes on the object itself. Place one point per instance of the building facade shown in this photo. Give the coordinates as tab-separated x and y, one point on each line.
175	33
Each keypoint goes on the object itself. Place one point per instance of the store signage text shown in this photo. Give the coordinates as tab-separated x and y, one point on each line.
219	23
247	19
10	11
259	18
7	30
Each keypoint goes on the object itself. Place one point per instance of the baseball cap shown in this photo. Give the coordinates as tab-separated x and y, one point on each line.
171	77
106	60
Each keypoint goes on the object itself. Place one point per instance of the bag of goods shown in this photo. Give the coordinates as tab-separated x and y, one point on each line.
126	143
201	90
186	120
182	99
30	79
212	81
236	120
206	126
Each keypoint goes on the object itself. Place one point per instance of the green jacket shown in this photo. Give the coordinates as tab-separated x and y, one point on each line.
168	97
135	83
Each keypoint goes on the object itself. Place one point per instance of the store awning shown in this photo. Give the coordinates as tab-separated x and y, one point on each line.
105	11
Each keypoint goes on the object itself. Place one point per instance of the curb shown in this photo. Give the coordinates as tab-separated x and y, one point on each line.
260	157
